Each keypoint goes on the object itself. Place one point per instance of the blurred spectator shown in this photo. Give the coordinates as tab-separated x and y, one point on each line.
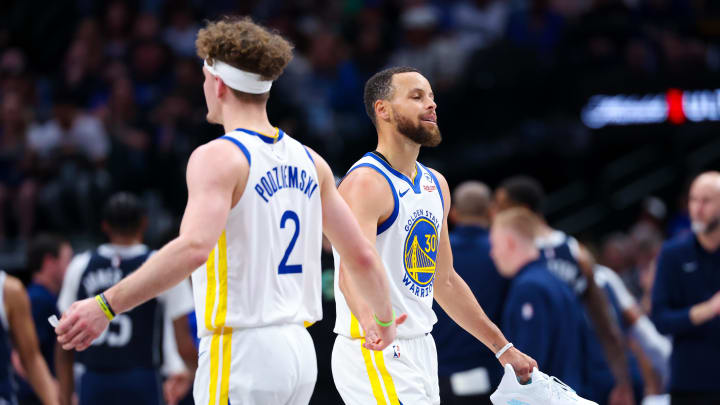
71	150
181	33
469	372
616	253
479	23
542	314
686	297
47	258
117	21
17	187
129	159
538	27
149	65
439	59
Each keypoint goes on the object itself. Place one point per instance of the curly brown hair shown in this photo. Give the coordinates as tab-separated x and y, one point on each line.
246	45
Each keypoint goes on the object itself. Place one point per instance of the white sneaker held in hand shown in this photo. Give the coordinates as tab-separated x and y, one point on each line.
541	390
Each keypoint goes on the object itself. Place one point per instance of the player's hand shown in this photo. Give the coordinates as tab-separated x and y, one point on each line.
379	337
622	394
714	303
521	362
176	387
82	323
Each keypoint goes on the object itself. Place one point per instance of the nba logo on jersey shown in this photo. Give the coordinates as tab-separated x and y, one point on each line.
396	351
420	253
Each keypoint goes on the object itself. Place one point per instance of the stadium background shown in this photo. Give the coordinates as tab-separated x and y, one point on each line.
513	81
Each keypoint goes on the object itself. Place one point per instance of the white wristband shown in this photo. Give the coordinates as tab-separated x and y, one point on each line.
503	350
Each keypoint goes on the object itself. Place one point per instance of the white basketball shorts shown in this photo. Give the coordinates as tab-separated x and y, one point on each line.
406	372
259	366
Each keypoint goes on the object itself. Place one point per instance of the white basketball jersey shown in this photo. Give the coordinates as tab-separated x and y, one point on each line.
407	243
265	268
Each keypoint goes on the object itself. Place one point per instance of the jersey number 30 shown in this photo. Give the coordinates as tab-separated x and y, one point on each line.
283	267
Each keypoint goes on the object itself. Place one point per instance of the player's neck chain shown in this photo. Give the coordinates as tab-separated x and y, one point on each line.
381	156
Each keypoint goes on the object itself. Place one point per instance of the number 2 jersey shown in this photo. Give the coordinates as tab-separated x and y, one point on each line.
265	267
407	243
134	338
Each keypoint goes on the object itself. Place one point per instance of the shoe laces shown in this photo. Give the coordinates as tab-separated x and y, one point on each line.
556	387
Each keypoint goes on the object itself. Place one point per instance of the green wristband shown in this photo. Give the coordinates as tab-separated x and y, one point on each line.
384	324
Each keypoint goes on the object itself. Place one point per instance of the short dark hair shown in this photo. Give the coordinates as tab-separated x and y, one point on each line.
524	190
379	87
123	213
40	246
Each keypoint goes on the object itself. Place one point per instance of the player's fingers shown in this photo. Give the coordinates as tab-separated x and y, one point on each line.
377	346
66	322
400	319
70	334
77	340
85	343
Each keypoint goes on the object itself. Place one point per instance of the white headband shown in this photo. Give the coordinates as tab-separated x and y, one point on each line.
239	79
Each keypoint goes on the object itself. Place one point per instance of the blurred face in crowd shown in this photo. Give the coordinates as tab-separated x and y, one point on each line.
704	204
502	248
413	109
58	265
501	202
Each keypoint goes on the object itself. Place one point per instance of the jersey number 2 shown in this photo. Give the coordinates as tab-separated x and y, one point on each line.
283	267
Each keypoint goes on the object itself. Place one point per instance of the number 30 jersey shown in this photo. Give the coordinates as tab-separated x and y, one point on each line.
407	243
265	267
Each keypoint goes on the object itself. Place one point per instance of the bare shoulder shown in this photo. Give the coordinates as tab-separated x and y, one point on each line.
217	159
365	181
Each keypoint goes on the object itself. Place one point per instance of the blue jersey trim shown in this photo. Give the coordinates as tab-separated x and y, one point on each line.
437	184
265	138
308	153
414	185
391	219
239	144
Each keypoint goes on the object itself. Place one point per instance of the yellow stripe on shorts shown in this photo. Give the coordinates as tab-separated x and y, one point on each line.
373	375
225	379
387	379
215	366
214	361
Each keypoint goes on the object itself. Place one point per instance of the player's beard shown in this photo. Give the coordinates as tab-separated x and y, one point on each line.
419	133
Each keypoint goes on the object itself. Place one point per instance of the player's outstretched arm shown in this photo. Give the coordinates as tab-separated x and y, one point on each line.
25	340
458	301
64	360
360	265
215	174
608	331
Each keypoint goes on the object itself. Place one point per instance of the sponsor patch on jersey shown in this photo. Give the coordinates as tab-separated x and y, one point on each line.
431	186
419	256
527	311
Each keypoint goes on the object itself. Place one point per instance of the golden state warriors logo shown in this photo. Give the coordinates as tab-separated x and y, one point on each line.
419	256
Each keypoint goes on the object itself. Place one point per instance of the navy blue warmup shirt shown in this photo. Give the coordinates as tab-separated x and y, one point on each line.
687	274
542	318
